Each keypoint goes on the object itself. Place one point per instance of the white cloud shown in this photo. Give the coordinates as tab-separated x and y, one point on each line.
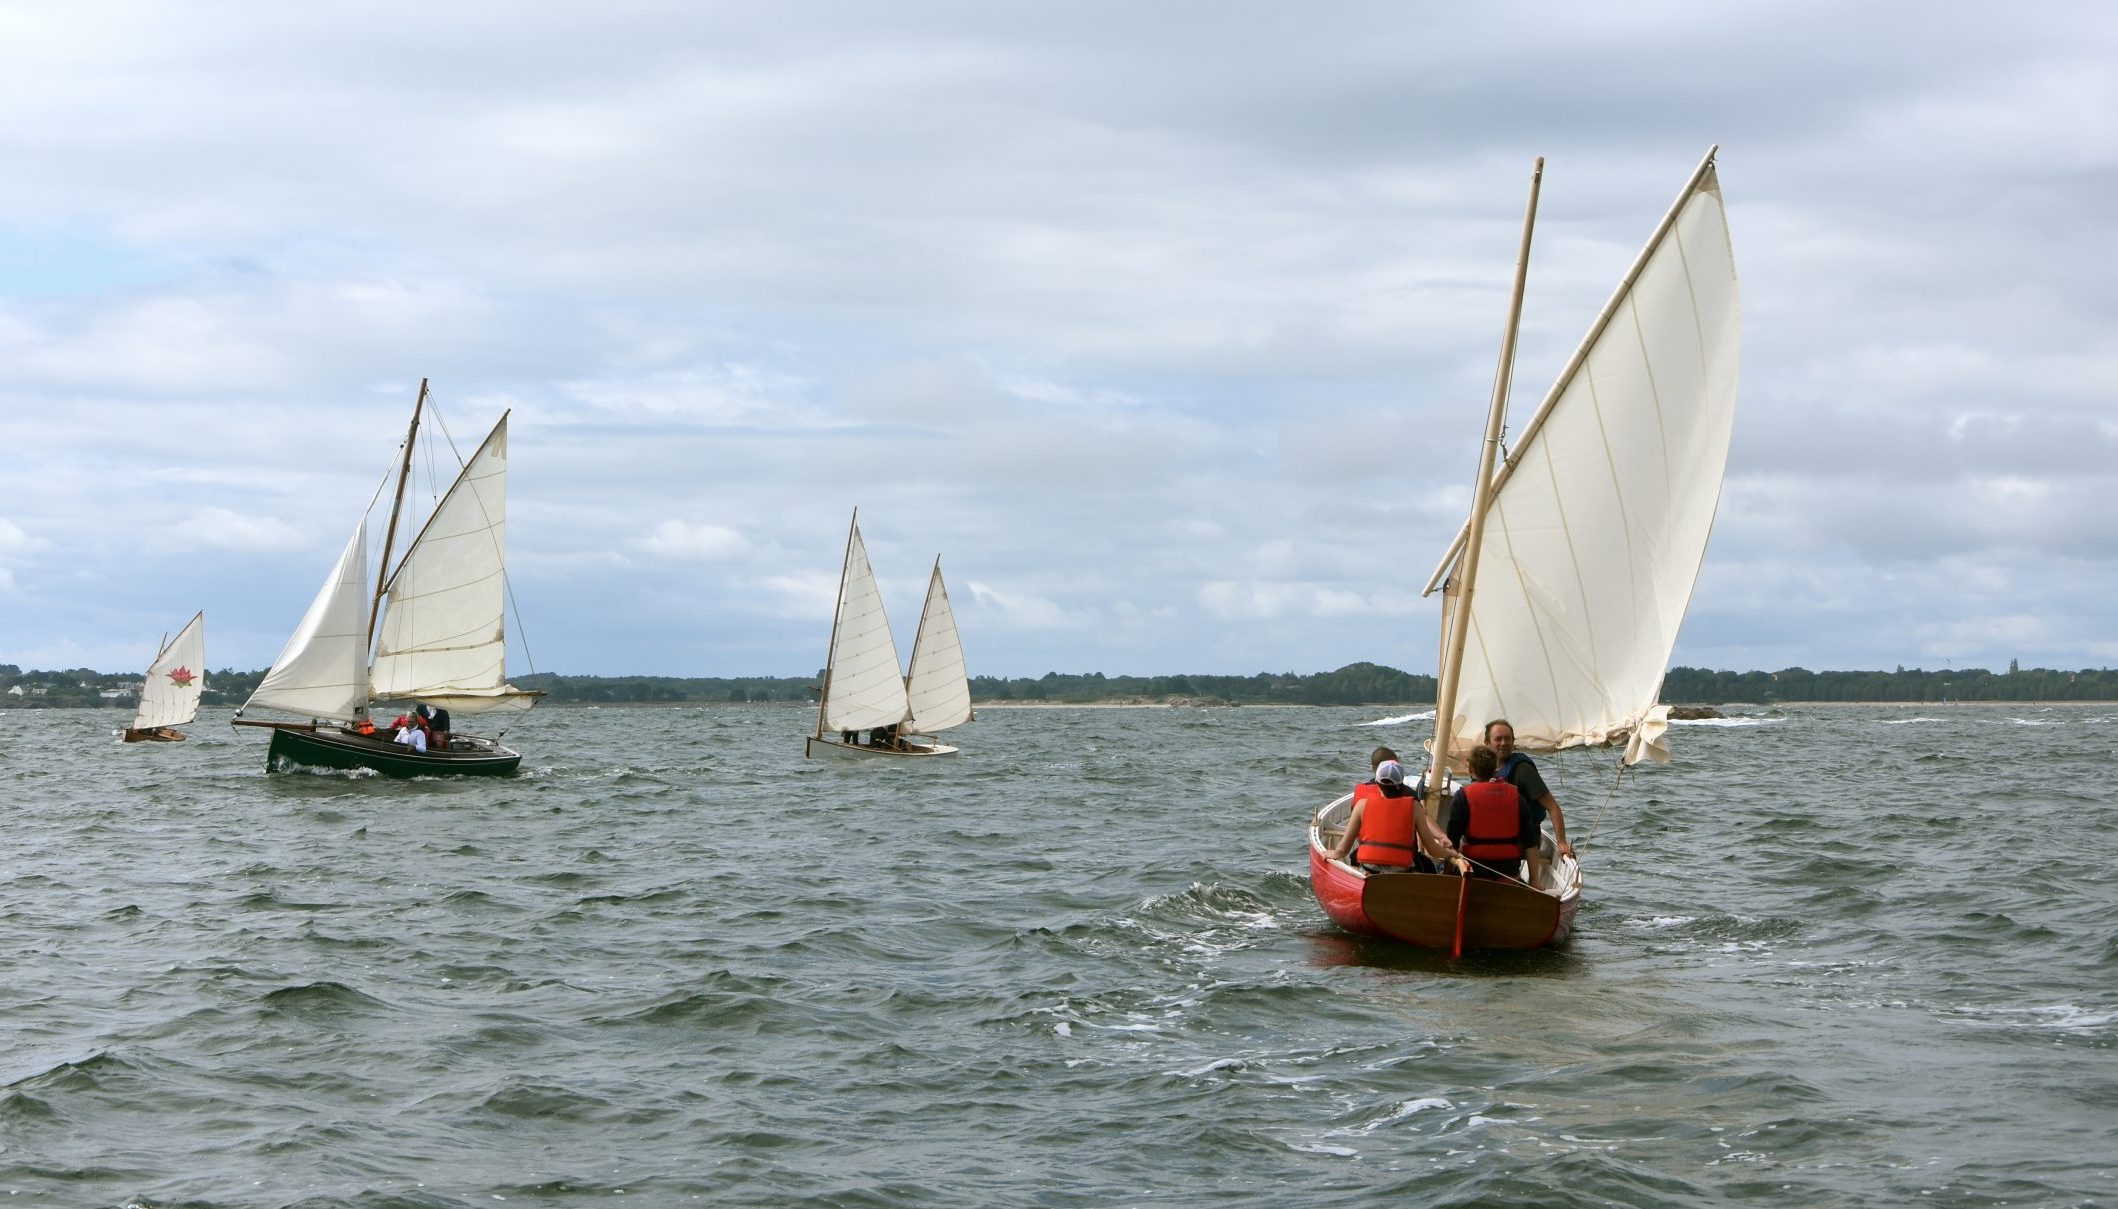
686	541
1151	336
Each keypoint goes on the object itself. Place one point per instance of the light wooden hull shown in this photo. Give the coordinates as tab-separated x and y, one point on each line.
1422	908
831	749
331	747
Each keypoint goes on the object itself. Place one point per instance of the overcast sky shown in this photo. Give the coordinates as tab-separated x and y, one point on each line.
1167	326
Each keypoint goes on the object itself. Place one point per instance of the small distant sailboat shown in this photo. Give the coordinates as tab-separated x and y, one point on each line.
863	689
1582	549
169	697
441	639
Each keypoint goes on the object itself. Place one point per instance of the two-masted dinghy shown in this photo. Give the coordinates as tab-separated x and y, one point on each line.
430	632
169	696
1564	591
863	690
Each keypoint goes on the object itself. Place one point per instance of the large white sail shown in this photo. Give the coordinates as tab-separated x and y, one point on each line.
170	694
323	672
863	687
938	685
1599	521
443	637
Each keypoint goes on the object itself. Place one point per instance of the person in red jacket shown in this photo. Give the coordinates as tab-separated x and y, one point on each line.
1387	832
1493	824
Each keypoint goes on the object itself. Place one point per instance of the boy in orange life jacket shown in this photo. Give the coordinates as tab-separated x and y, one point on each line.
1493	823
1387	831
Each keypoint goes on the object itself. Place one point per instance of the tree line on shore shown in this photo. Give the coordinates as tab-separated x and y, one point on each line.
1354	684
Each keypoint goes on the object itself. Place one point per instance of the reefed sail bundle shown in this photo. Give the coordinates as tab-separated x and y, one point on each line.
1599	520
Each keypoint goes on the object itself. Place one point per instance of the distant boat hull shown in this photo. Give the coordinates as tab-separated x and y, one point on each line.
815	748
321	747
1421	908
153	734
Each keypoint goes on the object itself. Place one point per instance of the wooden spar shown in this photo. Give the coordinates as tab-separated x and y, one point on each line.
823	692
1580	357
404	474
1481	498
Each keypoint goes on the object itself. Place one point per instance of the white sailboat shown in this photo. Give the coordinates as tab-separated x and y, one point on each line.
863	689
1565	589
169	695
435	623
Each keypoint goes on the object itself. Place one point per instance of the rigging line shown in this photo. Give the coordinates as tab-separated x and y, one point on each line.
1597	822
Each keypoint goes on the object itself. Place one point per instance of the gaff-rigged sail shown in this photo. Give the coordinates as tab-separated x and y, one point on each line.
170	694
442	638
323	672
938	685
862	685
1599	520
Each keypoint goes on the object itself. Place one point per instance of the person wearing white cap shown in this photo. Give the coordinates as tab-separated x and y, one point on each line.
1387	832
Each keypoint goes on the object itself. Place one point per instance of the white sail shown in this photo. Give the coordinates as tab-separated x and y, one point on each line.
443	638
170	694
937	685
323	672
1599	522
862	685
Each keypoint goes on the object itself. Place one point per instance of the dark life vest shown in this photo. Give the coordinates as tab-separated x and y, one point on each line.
1494	832
1386	827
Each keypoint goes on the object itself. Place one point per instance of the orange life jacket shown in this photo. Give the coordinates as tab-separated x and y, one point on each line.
1387	834
1494	832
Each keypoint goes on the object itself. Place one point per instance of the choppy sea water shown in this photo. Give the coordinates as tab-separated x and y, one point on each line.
1832	956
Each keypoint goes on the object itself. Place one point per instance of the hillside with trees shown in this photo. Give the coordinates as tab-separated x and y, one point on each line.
1354	684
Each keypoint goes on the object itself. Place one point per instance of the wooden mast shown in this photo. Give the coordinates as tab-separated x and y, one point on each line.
823	693
1481	498
404	474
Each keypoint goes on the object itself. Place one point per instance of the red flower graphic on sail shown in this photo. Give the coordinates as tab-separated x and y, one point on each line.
182	677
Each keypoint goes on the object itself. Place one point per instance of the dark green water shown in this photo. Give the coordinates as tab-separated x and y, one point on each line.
677	963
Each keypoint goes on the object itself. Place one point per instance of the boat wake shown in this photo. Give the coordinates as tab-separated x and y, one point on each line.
1402	719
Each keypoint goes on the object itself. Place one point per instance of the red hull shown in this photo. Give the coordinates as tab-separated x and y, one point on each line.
1422	908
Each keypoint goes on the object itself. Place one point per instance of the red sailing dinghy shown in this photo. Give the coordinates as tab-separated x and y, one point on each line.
1563	592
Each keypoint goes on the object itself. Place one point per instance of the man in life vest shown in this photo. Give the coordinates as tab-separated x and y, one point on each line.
1493	824
1387	832
1521	772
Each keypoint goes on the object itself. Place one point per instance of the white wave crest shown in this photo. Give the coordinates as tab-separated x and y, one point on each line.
1400	721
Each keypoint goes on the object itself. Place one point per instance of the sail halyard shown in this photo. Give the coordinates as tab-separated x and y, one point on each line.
1599	520
442	636
937	683
863	686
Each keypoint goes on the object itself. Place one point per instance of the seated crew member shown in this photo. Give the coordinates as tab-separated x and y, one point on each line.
1493	824
412	736
1386	831
437	723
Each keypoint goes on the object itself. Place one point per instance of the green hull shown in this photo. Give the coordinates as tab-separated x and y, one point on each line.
337	749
